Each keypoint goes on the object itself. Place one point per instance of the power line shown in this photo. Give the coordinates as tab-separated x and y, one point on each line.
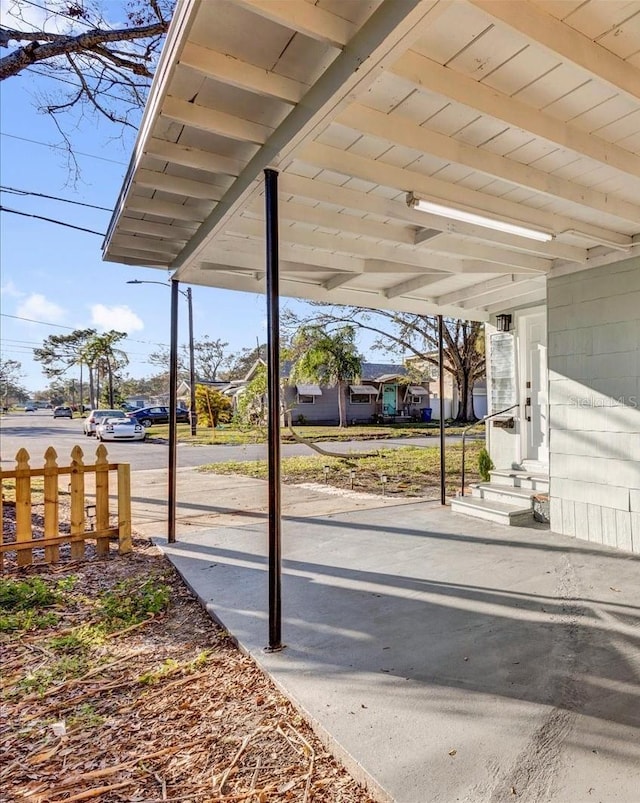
101	92
62	148
51	220
16	191
74	328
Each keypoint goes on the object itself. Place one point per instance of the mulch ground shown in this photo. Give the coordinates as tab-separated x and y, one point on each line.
164	710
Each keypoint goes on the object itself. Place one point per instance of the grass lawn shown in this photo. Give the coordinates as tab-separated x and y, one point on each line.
410	470
230	435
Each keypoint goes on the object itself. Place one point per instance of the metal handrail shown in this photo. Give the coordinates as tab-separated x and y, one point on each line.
475	424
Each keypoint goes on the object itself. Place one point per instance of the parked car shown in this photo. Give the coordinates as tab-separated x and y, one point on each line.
95	416
158	415
120	428
62	412
29	408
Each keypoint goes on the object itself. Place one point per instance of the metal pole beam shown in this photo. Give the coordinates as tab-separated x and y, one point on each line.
443	489
273	394
192	370
173	400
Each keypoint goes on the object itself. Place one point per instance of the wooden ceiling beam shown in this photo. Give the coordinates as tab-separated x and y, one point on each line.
542	29
164	230
422	71
241	74
379	172
192	157
328	219
339	280
154	206
206	191
214	122
411	285
480	289
368	249
399	130
373	204
306	18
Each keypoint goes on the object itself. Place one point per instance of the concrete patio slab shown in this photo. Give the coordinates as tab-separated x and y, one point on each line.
444	659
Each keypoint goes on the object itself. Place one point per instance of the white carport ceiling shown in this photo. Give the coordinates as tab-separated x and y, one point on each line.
526	111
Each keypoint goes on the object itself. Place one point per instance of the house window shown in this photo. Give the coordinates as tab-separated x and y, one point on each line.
304	398
415	399
359	398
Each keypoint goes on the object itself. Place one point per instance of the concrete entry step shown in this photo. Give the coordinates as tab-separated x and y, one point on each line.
503	493
515	478
488	510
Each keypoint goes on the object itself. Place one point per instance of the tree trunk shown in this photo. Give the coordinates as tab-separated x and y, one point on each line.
92	397
465	397
110	377
341	404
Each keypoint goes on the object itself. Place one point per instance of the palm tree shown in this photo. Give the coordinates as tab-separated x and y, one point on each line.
103	358
328	358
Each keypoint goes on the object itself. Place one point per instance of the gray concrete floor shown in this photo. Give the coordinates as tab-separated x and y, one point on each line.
444	659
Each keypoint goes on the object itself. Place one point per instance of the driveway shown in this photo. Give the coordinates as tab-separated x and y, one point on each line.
443	658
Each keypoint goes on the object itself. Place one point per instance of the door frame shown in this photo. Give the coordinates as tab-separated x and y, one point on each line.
522	350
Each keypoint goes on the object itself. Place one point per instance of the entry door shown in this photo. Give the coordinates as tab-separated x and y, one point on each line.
535	414
389	399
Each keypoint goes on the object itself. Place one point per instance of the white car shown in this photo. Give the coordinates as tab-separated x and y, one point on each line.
96	416
120	429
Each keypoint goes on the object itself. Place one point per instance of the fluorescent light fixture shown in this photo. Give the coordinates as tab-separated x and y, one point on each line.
479	220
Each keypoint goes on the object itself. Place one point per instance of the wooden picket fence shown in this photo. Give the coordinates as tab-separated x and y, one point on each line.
90	514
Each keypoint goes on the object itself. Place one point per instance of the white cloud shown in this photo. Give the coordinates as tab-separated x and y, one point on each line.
9	290
40	309
121	318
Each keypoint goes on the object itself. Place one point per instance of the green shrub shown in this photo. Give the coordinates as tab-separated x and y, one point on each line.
22	595
127	603
485	465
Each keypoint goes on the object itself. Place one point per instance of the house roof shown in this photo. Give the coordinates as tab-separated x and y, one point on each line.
374	371
524	112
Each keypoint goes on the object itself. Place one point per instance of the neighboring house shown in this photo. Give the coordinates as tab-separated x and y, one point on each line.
381	392
137	401
451	395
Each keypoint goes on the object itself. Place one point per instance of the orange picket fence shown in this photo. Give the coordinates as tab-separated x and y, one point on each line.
73	512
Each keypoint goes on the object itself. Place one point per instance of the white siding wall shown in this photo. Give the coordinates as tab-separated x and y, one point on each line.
594	398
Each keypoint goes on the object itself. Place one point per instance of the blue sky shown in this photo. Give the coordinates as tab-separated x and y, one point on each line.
56	276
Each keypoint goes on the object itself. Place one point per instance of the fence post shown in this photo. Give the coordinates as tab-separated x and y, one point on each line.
124	508
23	507
51	517
102	498
77	502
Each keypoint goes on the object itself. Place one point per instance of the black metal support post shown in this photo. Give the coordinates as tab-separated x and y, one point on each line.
273	393
193	417
443	489
173	400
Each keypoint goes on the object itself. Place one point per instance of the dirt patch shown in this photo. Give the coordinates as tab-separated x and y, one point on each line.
165	709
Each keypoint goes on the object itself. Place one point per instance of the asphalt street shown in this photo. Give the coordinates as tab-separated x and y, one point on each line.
37	431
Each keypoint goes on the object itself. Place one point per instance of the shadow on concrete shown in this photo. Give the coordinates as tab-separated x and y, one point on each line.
571	653
330	521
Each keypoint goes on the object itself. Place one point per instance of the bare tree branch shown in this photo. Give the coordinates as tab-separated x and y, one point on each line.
61	44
